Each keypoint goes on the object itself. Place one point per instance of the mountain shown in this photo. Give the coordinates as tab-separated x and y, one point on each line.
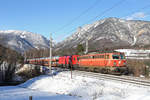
22	40
110	33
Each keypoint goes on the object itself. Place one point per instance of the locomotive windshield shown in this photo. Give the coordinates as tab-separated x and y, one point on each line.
115	56
121	56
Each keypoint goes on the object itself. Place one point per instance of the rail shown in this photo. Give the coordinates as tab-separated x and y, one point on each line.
127	79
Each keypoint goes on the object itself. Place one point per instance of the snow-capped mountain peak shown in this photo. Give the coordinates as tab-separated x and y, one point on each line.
22	40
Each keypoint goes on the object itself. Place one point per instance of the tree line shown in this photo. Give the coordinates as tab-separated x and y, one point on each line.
8	62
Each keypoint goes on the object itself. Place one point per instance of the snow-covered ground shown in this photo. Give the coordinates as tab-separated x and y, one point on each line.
18	93
61	87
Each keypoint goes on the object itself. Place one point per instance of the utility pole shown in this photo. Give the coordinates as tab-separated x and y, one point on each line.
50	53
87	40
87	44
86	50
25	57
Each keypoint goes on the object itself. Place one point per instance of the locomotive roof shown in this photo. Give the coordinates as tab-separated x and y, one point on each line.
55	57
101	54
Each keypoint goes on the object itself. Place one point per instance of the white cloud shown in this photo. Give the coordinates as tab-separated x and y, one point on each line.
137	15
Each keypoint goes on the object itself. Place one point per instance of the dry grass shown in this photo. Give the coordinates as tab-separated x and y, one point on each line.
138	67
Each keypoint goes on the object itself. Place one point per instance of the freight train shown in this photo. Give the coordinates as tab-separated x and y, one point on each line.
112	63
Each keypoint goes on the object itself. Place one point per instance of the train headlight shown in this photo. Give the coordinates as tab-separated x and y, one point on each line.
119	62
124	63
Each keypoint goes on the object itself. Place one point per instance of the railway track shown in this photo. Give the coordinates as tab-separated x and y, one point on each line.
126	79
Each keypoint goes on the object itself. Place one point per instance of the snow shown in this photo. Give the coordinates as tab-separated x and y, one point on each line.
121	20
17	93
135	39
19	42
23	35
61	86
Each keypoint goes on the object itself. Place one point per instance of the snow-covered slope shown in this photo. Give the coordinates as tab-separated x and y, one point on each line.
87	88
110	32
18	93
22	40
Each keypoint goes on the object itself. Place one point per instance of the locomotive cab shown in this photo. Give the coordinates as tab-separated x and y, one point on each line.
118	56
118	60
119	63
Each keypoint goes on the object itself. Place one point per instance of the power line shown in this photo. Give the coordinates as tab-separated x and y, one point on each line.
50	53
84	12
105	11
62	35
109	9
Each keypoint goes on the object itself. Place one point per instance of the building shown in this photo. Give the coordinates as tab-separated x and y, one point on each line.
135	54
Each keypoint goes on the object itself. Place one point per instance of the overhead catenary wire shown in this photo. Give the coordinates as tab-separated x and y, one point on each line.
101	14
76	18
107	10
81	14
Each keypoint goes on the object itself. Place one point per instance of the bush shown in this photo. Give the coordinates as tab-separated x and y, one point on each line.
138	67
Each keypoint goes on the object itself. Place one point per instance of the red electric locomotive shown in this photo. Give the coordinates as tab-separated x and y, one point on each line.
104	63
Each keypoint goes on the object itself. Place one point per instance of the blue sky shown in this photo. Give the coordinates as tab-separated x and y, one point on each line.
49	16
